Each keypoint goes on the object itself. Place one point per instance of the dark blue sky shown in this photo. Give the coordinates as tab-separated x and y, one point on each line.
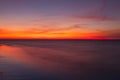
59	7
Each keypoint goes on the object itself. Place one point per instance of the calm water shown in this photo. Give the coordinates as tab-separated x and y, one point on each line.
59	60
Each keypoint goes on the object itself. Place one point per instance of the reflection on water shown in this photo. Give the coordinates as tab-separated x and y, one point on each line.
60	60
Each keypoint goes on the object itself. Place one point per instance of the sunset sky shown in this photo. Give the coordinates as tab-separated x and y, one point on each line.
59	19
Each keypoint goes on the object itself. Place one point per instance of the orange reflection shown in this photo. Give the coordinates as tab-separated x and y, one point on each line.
15	54
46	59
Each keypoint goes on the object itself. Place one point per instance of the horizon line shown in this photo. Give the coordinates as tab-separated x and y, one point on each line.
61	39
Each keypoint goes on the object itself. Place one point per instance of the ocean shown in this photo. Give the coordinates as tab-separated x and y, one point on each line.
59	60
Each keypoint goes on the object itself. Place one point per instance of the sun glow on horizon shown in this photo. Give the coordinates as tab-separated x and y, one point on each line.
12	34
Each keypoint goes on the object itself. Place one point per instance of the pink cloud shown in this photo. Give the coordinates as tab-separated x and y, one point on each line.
93	18
111	34
38	31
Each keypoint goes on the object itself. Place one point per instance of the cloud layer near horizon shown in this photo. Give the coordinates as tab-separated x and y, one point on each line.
63	33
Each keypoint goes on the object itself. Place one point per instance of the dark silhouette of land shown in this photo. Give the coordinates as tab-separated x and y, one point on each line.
60	39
